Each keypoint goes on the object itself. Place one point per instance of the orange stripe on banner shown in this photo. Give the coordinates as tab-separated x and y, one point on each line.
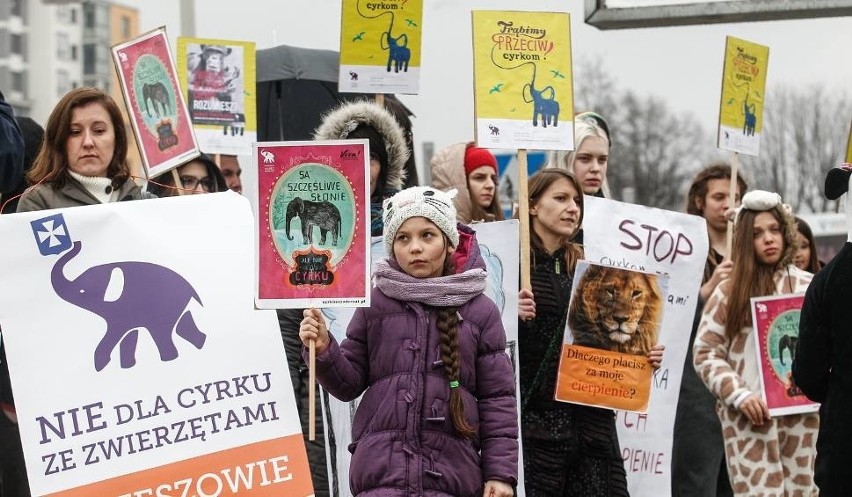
271	468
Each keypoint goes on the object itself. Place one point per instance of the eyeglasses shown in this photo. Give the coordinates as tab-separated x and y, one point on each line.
207	183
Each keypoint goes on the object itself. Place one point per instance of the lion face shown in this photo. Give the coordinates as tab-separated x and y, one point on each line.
622	305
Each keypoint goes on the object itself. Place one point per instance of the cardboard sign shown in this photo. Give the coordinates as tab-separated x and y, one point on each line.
313	224
154	101
218	81
743	95
146	369
613	321
662	242
380	46
523	90
776	331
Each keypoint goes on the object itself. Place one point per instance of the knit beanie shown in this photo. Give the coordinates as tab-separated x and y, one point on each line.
420	201
475	158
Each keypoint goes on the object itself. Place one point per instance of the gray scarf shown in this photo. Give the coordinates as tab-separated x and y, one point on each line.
443	291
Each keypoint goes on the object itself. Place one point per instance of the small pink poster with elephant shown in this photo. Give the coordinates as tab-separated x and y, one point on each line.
156	106
776	332
313	224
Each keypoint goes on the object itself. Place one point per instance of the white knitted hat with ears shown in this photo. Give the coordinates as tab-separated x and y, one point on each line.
420	201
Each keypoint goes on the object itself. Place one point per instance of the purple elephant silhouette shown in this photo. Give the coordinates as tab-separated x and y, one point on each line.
151	297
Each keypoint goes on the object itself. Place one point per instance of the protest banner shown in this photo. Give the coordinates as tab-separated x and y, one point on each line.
523	89
144	370
776	330
743	95
613	321
498	243
217	78
320	191
662	242
380	46
157	110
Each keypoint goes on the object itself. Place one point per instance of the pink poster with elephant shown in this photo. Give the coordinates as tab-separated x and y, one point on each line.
313	230
156	106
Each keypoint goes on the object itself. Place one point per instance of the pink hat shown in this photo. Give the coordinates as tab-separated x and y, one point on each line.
477	157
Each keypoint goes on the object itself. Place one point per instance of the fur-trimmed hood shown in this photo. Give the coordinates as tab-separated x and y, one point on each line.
448	173
340	122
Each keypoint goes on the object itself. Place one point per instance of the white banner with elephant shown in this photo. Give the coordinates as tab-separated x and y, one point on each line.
139	364
652	240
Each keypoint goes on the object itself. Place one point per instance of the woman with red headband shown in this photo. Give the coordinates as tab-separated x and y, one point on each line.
473	172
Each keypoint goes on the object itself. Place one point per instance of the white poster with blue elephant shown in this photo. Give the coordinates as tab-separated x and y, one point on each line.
313	224
498	242
139	365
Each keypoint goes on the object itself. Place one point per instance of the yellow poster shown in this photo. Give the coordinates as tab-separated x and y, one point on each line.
217	77
743	95
523	88
849	147
380	46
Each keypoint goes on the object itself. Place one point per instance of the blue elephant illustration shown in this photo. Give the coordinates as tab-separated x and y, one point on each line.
322	214
750	121
547	107
129	296
398	54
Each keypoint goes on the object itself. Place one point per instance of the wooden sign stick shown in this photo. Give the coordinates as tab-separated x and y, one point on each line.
732	201
178	184
312	393
524	216
380	99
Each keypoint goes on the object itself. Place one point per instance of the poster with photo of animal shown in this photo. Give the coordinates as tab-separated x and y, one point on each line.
218	81
380	46
313	227
613	321
743	96
776	332
523	83
158	113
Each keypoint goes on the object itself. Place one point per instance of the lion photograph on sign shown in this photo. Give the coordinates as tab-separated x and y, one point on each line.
616	309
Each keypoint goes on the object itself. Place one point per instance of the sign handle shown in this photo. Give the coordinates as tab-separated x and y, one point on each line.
312	392
380	99
176	178
524	217
732	192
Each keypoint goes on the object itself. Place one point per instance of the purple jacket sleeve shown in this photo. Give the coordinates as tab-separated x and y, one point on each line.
11	149
343	369
498	416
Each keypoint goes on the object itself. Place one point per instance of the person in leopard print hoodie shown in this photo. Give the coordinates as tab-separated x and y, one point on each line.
766	456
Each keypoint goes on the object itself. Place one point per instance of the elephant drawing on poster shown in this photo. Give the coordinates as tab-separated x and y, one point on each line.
787	342
544	103
321	214
157	94
130	296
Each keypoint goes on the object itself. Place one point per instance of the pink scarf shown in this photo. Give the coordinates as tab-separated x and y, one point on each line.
442	291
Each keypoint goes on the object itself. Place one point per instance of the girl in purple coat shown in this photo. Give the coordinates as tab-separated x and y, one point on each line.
438	415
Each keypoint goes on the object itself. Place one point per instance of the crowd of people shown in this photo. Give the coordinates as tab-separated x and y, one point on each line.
428	292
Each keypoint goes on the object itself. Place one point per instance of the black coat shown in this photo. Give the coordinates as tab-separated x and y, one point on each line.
822	368
11	149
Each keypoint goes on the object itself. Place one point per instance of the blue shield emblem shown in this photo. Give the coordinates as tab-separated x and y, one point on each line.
51	234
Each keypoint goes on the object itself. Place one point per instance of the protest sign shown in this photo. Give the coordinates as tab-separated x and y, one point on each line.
154	101
139	367
849	146
663	242
218	81
743	95
380	46
776	332
613	321
498	243
523	89
313	224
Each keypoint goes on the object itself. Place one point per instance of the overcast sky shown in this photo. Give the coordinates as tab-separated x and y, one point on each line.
681	64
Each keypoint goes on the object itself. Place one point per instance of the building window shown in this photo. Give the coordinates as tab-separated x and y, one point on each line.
73	52
89	58
89	16
17	8
18	82
125	27
73	15
63	82
17	44
63	46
